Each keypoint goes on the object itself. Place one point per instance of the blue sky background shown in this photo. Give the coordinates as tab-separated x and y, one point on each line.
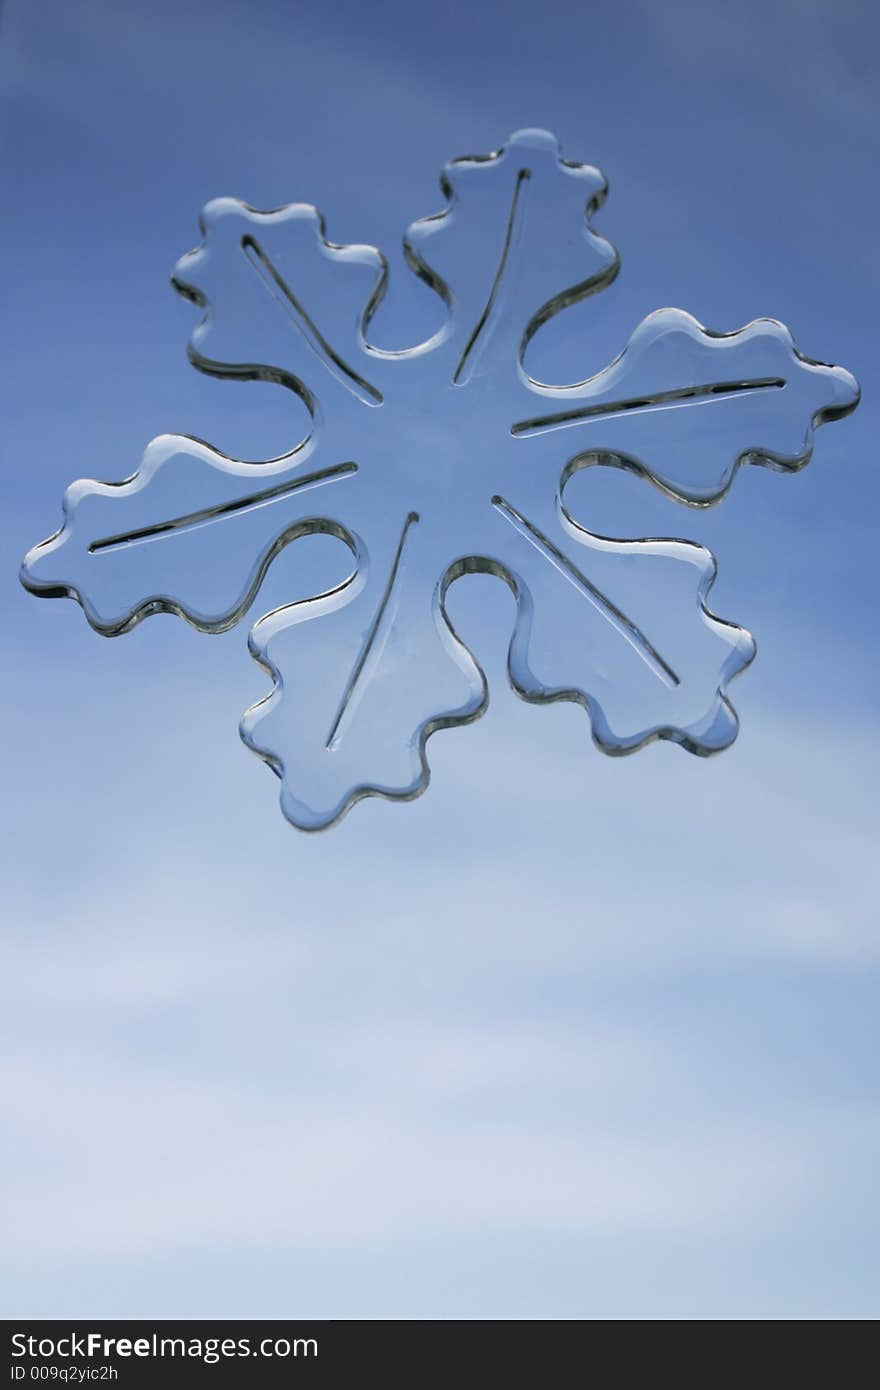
570	1036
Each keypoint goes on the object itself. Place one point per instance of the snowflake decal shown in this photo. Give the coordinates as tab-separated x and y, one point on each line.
435	462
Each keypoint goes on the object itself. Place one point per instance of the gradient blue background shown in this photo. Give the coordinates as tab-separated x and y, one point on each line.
569	1036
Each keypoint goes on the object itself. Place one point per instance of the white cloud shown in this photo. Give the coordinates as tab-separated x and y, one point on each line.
110	1157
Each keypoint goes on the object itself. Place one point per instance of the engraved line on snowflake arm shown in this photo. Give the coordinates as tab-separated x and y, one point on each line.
324	351
609	610
224	510
514	219
335	735
661	400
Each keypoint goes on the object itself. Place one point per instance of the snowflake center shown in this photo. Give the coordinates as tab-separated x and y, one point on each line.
442	451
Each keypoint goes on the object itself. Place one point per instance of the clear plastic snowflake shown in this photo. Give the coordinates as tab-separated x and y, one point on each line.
439	461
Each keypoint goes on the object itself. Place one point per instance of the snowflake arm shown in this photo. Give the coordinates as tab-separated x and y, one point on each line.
686	407
159	542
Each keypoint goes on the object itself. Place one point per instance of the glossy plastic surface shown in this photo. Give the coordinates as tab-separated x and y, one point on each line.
437	461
